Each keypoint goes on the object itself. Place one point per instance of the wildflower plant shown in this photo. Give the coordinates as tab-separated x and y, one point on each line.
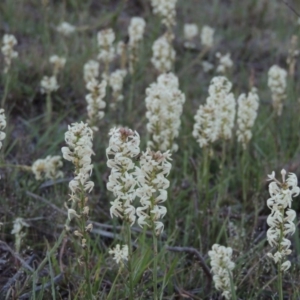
79	139
135	31
8	42
106	38
225	63
246	116
166	10
19	225
95	102
123	148
7	49
207	37
221	267
116	80
281	220
66	28
164	102
47	168
2	126
277	84
163	54
190	31
91	70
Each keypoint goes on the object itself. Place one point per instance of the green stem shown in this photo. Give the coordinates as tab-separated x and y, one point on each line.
129	261
113	285
244	176
221	188
7	82
132	88
279	281
49	109
206	173
154	271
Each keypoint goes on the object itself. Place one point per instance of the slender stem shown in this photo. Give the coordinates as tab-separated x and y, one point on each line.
206	173
244	176
221	189
131	95
279	281
49	108
129	260
113	285
154	271
7	81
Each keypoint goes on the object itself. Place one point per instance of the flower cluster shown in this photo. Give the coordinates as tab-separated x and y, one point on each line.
47	168
190	31
122	52
164	102
105	38
49	84
123	147
135	31
207	36
246	115
116	79
79	151
95	102
17	230
66	28
2	126
58	63
152	188
90	70
9	41
281	219
277	84
165	9
215	119
225	63
163	55
221	267
119	254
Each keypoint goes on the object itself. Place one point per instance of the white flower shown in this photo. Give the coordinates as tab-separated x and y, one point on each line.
277	84
9	41
136	30
79	151
116	79
166	10
163	55
164	102
106	38
119	254
246	115
66	28
2	126
207	36
47	168
123	147
281	219
58	63
49	84
152	188
19	223
222	267
90	70
215	119
225	63
95	102
190	31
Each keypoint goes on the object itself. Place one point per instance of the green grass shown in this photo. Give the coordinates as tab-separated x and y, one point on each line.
257	35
